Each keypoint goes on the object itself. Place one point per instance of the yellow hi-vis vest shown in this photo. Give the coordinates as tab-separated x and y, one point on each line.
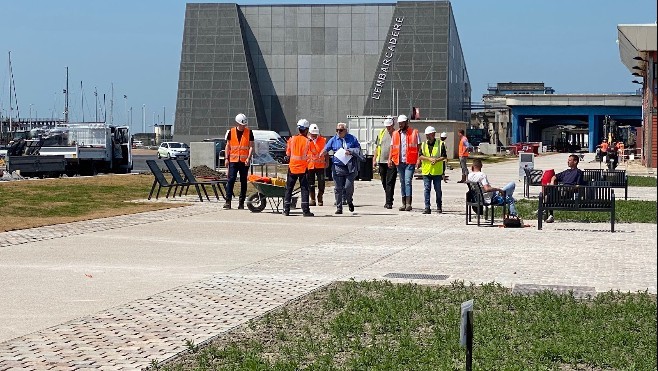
378	151
426	167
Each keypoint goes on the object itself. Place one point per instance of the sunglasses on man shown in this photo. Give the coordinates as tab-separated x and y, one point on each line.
340	130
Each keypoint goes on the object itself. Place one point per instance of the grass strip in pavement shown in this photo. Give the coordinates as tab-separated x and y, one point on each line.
626	211
642	181
35	203
378	325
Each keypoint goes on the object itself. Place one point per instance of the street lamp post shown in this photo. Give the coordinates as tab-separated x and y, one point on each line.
143	118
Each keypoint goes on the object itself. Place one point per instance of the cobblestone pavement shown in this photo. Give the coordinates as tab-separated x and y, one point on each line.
304	255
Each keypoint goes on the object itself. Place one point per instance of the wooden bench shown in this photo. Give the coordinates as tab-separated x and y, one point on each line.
531	178
475	202
613	178
576	198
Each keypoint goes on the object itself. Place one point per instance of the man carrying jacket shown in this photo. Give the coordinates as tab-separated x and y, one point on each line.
386	174
298	151
432	155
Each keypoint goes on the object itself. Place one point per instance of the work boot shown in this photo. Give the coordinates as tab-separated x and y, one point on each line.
408	208
427	211
241	205
312	201
227	205
339	211
404	204
319	198
439	209
308	213
463	179
286	212
350	206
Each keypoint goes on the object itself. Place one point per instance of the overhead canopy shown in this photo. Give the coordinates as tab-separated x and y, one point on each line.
635	40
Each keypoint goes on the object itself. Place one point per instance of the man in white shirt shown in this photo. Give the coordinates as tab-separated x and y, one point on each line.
477	176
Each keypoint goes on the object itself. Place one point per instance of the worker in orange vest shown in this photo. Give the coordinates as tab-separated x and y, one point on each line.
239	151
298	150
405	145
316	164
463	154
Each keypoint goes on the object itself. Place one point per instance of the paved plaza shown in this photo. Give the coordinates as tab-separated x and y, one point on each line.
118	292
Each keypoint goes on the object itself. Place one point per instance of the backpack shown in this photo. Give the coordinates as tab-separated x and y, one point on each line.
512	221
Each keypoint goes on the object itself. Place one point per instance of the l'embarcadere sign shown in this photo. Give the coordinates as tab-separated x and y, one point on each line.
386	62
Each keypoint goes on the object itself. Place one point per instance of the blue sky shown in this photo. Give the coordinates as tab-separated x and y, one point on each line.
136	45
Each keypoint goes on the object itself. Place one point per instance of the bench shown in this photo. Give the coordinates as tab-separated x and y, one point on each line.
531	178
475	202
613	178
576	198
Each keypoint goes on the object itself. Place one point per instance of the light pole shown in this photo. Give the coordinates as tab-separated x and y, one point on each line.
31	115
125	106
143	118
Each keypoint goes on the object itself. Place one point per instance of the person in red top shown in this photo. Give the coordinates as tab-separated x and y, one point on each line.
405	145
316	164
298	151
463	154
239	150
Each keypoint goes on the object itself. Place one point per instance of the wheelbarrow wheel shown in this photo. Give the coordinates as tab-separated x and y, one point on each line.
256	202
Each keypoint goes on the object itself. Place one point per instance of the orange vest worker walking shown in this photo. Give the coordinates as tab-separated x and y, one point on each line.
298	151
316	164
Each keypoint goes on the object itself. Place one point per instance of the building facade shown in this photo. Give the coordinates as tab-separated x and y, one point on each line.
280	63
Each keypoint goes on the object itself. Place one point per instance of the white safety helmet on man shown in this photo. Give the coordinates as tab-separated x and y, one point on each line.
402	118
430	130
444	135
241	119
314	129
388	121
303	124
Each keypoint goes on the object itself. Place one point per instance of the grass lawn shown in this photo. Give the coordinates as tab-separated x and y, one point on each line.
379	325
626	211
642	181
34	203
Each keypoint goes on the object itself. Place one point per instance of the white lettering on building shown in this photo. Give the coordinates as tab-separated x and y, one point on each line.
388	56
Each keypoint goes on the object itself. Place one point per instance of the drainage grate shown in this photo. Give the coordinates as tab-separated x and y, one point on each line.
420	276
580	292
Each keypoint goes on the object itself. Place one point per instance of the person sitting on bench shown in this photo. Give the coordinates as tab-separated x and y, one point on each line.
572	176
477	176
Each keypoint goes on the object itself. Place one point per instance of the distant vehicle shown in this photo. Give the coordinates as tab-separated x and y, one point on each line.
175	150
138	144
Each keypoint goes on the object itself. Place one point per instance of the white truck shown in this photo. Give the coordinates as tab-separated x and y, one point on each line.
85	149
366	129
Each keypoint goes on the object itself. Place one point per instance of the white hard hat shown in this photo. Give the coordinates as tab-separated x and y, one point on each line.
444	135
314	129
303	123
388	121
241	119
430	130
402	118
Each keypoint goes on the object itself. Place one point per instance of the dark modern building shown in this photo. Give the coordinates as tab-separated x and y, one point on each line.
279	63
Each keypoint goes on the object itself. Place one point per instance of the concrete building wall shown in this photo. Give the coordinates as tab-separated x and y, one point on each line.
279	63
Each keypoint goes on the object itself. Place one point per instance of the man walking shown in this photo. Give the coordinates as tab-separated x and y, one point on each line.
463	154
405	144
347	154
298	151
432	155
316	164
386	173
239	151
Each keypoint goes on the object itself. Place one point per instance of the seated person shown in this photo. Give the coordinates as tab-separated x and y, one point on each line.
572	176
477	176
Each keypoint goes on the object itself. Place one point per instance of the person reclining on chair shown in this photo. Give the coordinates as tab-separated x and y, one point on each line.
477	176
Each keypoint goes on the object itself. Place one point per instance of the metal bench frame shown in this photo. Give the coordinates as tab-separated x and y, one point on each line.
576	198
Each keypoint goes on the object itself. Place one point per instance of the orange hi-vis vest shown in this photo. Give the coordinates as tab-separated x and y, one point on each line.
297	150
314	159
412	146
239	149
463	150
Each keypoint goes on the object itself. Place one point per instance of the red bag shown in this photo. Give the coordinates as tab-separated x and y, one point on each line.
547	176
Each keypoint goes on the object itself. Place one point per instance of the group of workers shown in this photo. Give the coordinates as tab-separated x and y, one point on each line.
398	154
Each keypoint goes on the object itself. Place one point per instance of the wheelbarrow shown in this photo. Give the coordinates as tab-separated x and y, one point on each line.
268	194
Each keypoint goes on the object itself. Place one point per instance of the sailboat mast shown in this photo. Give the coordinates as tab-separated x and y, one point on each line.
66	98
10	108
82	101
112	105
96	96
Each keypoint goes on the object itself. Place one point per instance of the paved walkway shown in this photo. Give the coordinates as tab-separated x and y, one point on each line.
116	293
